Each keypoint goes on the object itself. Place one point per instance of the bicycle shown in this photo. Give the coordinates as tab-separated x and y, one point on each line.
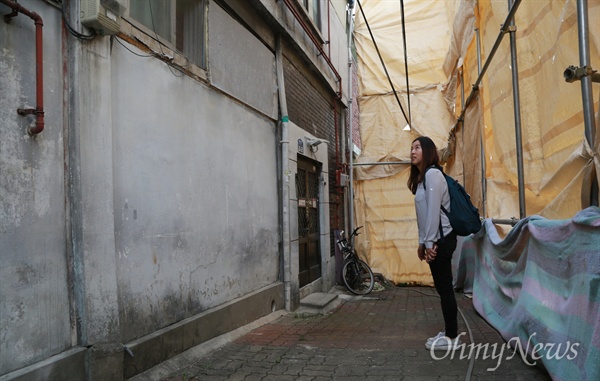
357	275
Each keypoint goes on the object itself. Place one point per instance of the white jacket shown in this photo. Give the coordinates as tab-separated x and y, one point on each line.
428	206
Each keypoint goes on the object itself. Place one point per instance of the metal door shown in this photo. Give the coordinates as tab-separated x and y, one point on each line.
307	188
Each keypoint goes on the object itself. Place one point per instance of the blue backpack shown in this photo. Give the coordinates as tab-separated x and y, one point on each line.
463	215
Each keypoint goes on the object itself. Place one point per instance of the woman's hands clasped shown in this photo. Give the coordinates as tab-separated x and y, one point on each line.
427	255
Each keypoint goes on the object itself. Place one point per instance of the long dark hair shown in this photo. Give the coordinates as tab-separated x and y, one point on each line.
430	157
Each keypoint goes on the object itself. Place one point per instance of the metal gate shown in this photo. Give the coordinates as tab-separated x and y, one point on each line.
307	189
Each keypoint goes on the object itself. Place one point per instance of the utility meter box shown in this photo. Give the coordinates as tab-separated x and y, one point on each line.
102	15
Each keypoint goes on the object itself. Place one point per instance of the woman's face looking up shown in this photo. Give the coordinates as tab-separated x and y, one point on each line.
416	154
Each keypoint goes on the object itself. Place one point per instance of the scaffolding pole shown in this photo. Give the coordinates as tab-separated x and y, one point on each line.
517	111
503	30
587	96
482	70
481	138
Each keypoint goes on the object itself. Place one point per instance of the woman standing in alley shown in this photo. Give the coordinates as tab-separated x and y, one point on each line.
437	240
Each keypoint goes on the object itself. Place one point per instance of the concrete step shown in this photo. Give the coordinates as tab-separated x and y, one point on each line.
317	300
318	303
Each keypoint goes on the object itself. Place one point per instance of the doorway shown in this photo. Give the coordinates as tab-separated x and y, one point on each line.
307	190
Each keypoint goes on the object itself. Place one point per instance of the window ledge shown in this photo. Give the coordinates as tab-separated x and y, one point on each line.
136	36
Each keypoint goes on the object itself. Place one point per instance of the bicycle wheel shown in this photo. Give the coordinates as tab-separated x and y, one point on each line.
358	277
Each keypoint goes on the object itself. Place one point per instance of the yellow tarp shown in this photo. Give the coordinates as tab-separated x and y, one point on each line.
442	67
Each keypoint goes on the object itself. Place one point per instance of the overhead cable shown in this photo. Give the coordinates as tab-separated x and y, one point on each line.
382	62
405	60
72	30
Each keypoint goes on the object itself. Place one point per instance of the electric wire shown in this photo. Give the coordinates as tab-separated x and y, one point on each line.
382	62
160	43
405	61
72	30
462	315
131	51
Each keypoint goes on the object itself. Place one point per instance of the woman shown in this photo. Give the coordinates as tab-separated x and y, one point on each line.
437	241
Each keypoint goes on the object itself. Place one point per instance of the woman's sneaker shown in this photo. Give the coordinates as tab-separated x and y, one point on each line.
444	343
432	339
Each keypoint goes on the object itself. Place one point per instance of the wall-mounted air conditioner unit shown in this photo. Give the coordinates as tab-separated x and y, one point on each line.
102	15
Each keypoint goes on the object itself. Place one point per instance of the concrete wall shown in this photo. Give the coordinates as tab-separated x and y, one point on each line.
240	64
34	295
195	191
147	212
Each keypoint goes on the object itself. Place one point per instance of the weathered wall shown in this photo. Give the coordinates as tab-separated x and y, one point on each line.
195	190
252	82
150	198
172	192
34	297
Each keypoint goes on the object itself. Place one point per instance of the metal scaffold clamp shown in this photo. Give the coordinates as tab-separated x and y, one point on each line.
573	73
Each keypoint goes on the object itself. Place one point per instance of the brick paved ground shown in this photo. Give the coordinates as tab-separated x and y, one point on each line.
379	337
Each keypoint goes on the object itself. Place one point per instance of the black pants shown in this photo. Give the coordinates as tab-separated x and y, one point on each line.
441	270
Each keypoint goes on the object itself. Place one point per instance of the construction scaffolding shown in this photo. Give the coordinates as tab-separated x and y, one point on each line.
522	142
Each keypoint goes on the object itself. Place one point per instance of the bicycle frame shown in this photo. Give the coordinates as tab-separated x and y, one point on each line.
356	274
346	245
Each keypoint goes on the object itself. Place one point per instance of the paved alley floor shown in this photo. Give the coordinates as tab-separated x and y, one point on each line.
377	337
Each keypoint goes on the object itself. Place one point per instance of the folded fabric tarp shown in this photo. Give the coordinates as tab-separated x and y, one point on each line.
540	288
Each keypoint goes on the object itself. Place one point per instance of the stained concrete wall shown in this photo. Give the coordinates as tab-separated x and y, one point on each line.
246	67
150	199
170	208
34	295
195	193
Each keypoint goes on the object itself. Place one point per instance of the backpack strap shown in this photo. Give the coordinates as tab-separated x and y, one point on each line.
442	206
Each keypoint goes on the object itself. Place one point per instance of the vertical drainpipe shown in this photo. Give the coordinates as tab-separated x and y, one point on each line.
351	119
587	96
328	29
285	179
517	110
38	111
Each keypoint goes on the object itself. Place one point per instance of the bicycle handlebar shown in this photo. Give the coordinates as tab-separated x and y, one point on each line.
355	232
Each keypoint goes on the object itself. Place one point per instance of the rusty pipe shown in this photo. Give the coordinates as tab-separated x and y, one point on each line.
39	71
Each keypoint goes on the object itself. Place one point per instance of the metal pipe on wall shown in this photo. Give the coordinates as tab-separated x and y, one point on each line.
39	65
351	118
285	181
328	29
517	111
587	96
317	44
